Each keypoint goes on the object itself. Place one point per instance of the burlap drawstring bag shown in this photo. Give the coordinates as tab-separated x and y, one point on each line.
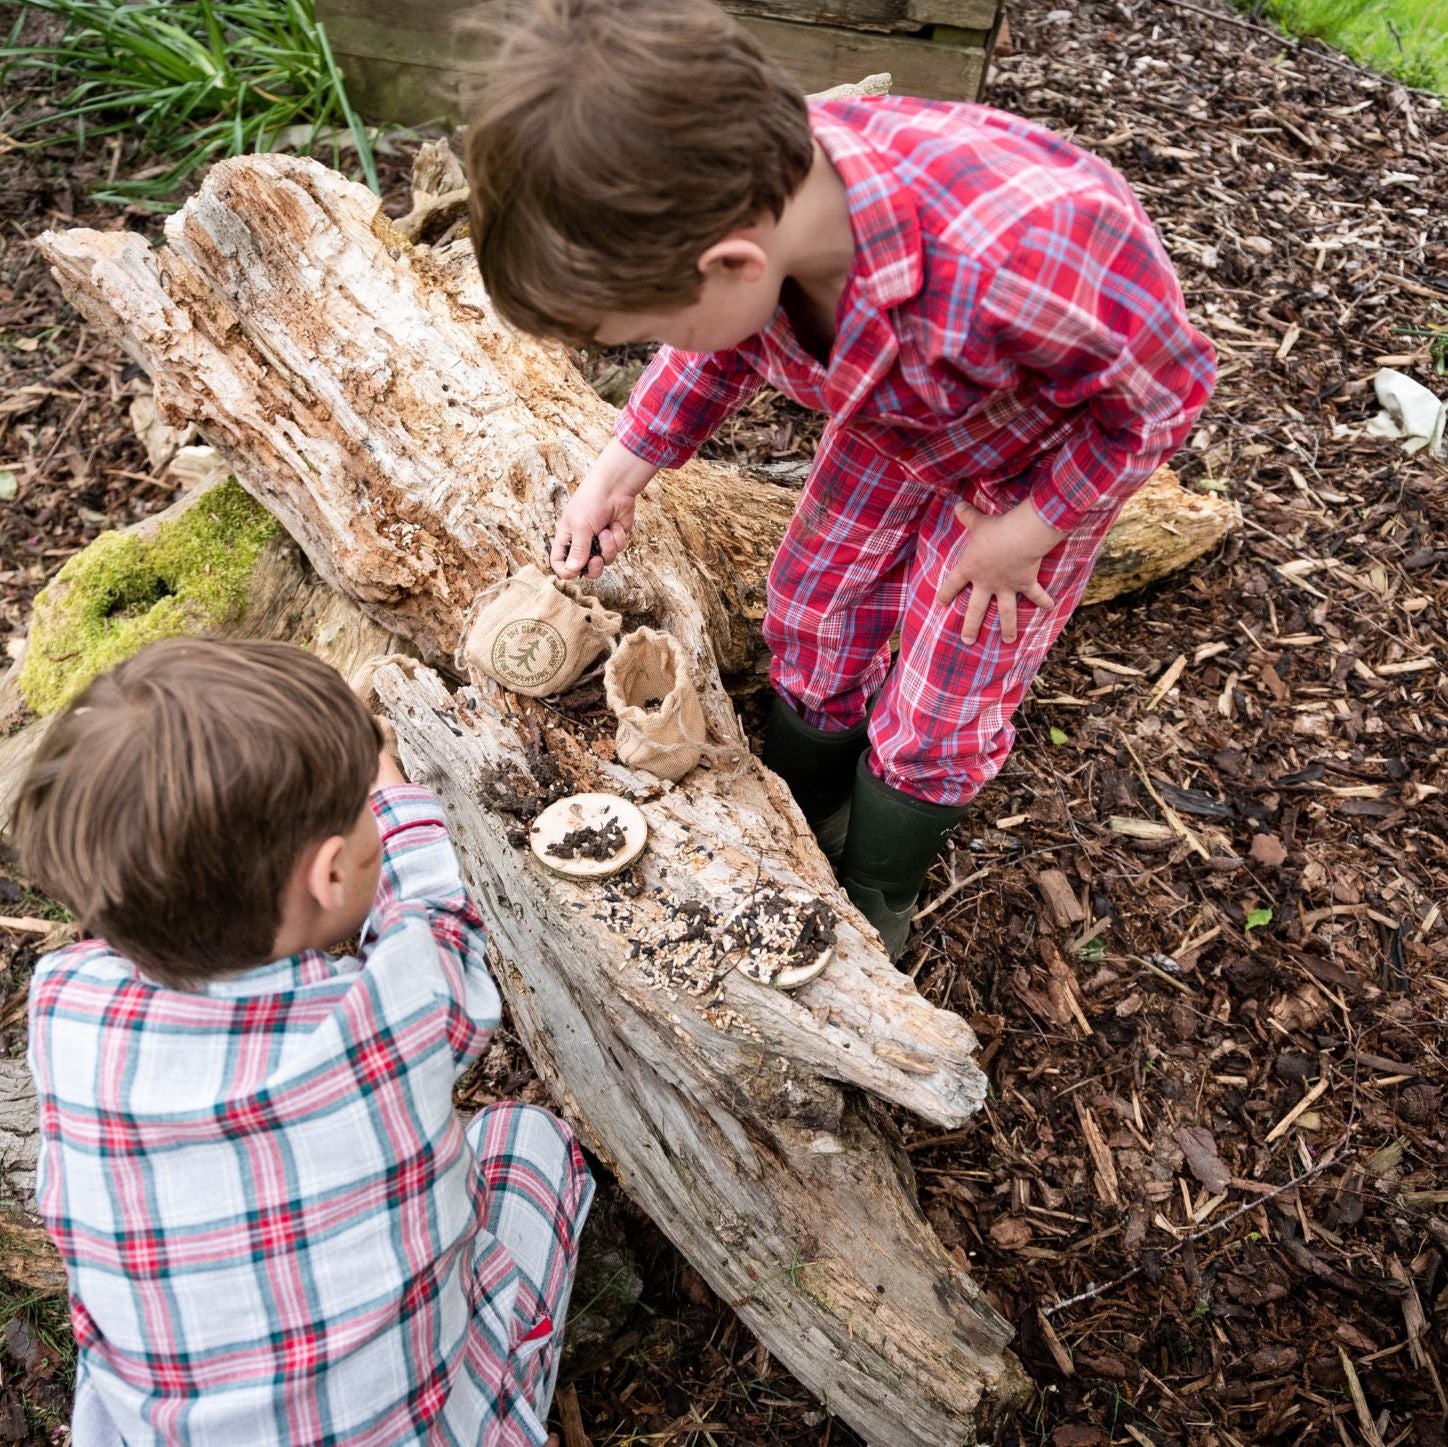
660	719
536	634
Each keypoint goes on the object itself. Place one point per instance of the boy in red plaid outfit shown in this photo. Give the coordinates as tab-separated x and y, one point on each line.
276	1227
983	310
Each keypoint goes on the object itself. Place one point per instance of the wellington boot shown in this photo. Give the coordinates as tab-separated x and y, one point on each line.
819	767
893	840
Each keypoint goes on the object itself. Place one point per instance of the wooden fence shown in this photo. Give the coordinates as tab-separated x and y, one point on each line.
411	60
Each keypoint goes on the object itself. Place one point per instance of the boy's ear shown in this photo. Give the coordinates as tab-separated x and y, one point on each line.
322	874
737	256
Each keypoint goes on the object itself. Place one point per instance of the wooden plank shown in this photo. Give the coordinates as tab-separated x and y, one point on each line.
907	15
426	34
819	56
408	94
411	63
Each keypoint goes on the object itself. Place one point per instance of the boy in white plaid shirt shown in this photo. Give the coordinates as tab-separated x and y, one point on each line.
276	1227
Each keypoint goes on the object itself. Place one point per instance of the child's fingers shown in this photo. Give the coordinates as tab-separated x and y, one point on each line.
559	556
1006	613
951	586
967	514
1040	597
611	542
975	610
580	548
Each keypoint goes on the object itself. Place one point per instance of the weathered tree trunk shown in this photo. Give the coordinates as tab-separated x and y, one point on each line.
366	394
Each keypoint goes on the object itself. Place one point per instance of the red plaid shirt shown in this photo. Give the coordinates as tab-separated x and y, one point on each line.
1011	314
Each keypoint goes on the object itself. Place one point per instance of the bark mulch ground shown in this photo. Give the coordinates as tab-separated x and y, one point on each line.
1198	922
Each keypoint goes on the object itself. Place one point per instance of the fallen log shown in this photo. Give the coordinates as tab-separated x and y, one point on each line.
364	392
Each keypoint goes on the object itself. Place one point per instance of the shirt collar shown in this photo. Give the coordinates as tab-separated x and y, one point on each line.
883	214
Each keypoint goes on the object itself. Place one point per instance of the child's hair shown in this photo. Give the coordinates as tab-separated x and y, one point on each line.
169	804
613	143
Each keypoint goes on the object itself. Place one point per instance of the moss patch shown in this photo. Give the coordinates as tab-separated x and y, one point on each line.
188	576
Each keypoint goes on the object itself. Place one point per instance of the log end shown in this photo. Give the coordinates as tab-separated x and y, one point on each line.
1163	528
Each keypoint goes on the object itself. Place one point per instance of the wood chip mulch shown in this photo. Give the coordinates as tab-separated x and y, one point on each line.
1198	923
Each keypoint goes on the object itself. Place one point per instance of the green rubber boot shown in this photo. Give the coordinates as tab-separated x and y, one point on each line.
819	767
893	840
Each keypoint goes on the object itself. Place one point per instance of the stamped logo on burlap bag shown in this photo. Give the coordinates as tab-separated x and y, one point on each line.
535	634
528	653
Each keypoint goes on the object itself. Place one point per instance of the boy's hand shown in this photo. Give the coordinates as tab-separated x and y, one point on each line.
1001	558
602	508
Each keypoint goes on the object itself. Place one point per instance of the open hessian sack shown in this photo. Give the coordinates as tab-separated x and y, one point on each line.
660	719
536	633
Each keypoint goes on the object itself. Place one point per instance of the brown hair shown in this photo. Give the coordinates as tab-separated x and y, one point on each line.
613	143
168	805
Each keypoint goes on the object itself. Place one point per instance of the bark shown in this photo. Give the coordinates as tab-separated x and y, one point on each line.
363	390
26	1255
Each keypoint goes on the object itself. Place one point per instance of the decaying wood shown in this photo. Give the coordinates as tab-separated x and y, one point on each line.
285	600
26	1255
782	1188
364	391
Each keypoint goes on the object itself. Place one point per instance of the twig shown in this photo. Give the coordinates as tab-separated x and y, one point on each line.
26	924
1094	1291
949	892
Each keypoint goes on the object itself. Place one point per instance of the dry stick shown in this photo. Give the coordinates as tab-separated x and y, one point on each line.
1094	1291
1343	62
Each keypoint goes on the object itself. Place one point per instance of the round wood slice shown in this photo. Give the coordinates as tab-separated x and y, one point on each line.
588	811
788	977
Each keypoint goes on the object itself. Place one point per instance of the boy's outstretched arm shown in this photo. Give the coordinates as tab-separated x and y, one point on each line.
675	407
423	915
602	508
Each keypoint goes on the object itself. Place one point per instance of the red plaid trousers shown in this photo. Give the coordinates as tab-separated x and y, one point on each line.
864	557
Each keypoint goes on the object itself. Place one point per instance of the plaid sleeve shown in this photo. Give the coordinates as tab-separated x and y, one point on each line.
1088	306
422	904
681	400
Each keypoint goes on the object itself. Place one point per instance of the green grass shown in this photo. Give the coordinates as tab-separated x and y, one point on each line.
192	80
1403	38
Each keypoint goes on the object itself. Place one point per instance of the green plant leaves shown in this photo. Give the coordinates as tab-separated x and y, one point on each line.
195	79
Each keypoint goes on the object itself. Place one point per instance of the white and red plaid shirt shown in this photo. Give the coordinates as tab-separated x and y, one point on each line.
1010	312
270	1215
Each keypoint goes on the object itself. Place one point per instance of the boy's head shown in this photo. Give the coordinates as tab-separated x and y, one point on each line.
204	807
622	157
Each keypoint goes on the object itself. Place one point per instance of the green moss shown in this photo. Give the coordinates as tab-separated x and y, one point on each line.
125	590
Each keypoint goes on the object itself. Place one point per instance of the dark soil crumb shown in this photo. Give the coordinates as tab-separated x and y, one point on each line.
593	841
515	794
816	930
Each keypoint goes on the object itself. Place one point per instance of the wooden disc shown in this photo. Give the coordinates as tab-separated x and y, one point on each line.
588	811
779	977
